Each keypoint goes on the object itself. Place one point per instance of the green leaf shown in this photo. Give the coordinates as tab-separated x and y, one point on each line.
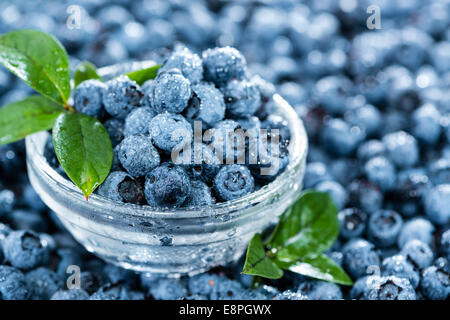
307	229
322	268
85	71
27	116
83	148
140	76
40	60
257	263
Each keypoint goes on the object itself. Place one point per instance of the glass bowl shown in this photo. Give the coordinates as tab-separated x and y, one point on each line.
174	241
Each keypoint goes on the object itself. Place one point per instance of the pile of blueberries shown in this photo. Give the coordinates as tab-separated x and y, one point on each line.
157	159
375	104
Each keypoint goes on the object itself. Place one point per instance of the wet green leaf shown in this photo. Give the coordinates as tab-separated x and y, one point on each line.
85	71
322	268
257	263
140	76
307	229
40	60
84	149
27	116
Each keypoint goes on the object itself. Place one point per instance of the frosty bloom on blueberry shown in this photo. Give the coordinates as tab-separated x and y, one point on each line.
88	97
121	96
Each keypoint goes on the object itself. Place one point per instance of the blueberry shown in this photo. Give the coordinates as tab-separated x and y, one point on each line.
403	95
220	65
427	124
121	187
417	228
272	156
228	141
170	92
445	244
399	266
7	200
88	97
383	227
187	62
199	162
352	222
293	92
370	149
170	131
145	87
32	199
336	191
90	282
206	104
412	48
439	171
113	16
277	122
200	195
233	181
359	254
360	285
116	275
402	148
365	195
366	116
440	56
4	231
339	138
43	283
13	285
412	184
320	290
167	186
418	253
250	123
242	98
314	119
66	257
437	204
315	173
137	121
332	92
435	283
24	250
381	173
115	129
387	288
138	155
168	289
121	96
73	294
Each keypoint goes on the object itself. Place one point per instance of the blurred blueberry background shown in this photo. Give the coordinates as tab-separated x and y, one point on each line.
376	106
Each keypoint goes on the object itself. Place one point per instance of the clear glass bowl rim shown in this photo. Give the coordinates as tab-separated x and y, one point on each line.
297	149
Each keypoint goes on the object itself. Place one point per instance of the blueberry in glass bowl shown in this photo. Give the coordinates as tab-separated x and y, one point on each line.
178	227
